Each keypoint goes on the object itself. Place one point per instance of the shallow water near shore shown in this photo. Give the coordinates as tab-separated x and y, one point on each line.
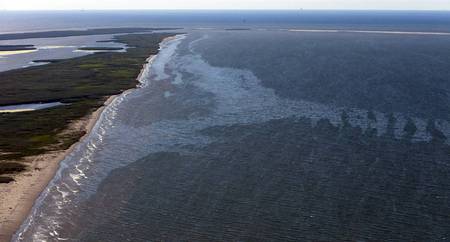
28	107
51	48
250	135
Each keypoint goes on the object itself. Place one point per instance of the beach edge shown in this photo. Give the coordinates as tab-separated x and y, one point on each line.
18	198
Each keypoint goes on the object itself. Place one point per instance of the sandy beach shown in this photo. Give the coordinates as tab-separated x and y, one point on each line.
17	198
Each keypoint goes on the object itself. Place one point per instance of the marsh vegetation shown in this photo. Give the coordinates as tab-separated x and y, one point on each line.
83	82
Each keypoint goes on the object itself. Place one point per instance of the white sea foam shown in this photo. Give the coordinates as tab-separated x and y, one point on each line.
49	47
167	50
43	224
129	128
242	99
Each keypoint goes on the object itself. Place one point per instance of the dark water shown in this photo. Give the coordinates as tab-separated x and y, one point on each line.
19	21
267	135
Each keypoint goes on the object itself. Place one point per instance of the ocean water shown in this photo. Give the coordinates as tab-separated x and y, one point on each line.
268	134
25	21
61	48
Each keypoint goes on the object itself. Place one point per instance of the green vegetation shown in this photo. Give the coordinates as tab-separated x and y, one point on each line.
83	82
60	81
10	167
47	61
67	33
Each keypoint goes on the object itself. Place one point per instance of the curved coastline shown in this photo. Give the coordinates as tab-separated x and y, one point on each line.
23	196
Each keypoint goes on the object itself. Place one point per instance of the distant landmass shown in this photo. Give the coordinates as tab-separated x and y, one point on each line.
16	47
67	33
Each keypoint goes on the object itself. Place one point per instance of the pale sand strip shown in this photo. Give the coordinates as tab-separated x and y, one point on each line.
16	52
17	198
18	110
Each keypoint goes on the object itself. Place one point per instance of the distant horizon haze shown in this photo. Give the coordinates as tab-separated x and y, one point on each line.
440	5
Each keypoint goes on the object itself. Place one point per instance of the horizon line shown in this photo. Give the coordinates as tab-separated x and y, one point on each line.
232	9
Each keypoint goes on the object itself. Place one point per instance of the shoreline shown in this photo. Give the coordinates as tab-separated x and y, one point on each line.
18	198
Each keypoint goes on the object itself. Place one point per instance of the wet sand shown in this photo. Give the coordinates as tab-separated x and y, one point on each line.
17	198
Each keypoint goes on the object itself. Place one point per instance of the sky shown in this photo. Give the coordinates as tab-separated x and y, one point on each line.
225	4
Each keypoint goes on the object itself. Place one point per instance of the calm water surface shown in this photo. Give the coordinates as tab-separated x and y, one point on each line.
266	136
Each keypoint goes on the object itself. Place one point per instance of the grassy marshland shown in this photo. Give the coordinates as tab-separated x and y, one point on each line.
83	82
67	33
